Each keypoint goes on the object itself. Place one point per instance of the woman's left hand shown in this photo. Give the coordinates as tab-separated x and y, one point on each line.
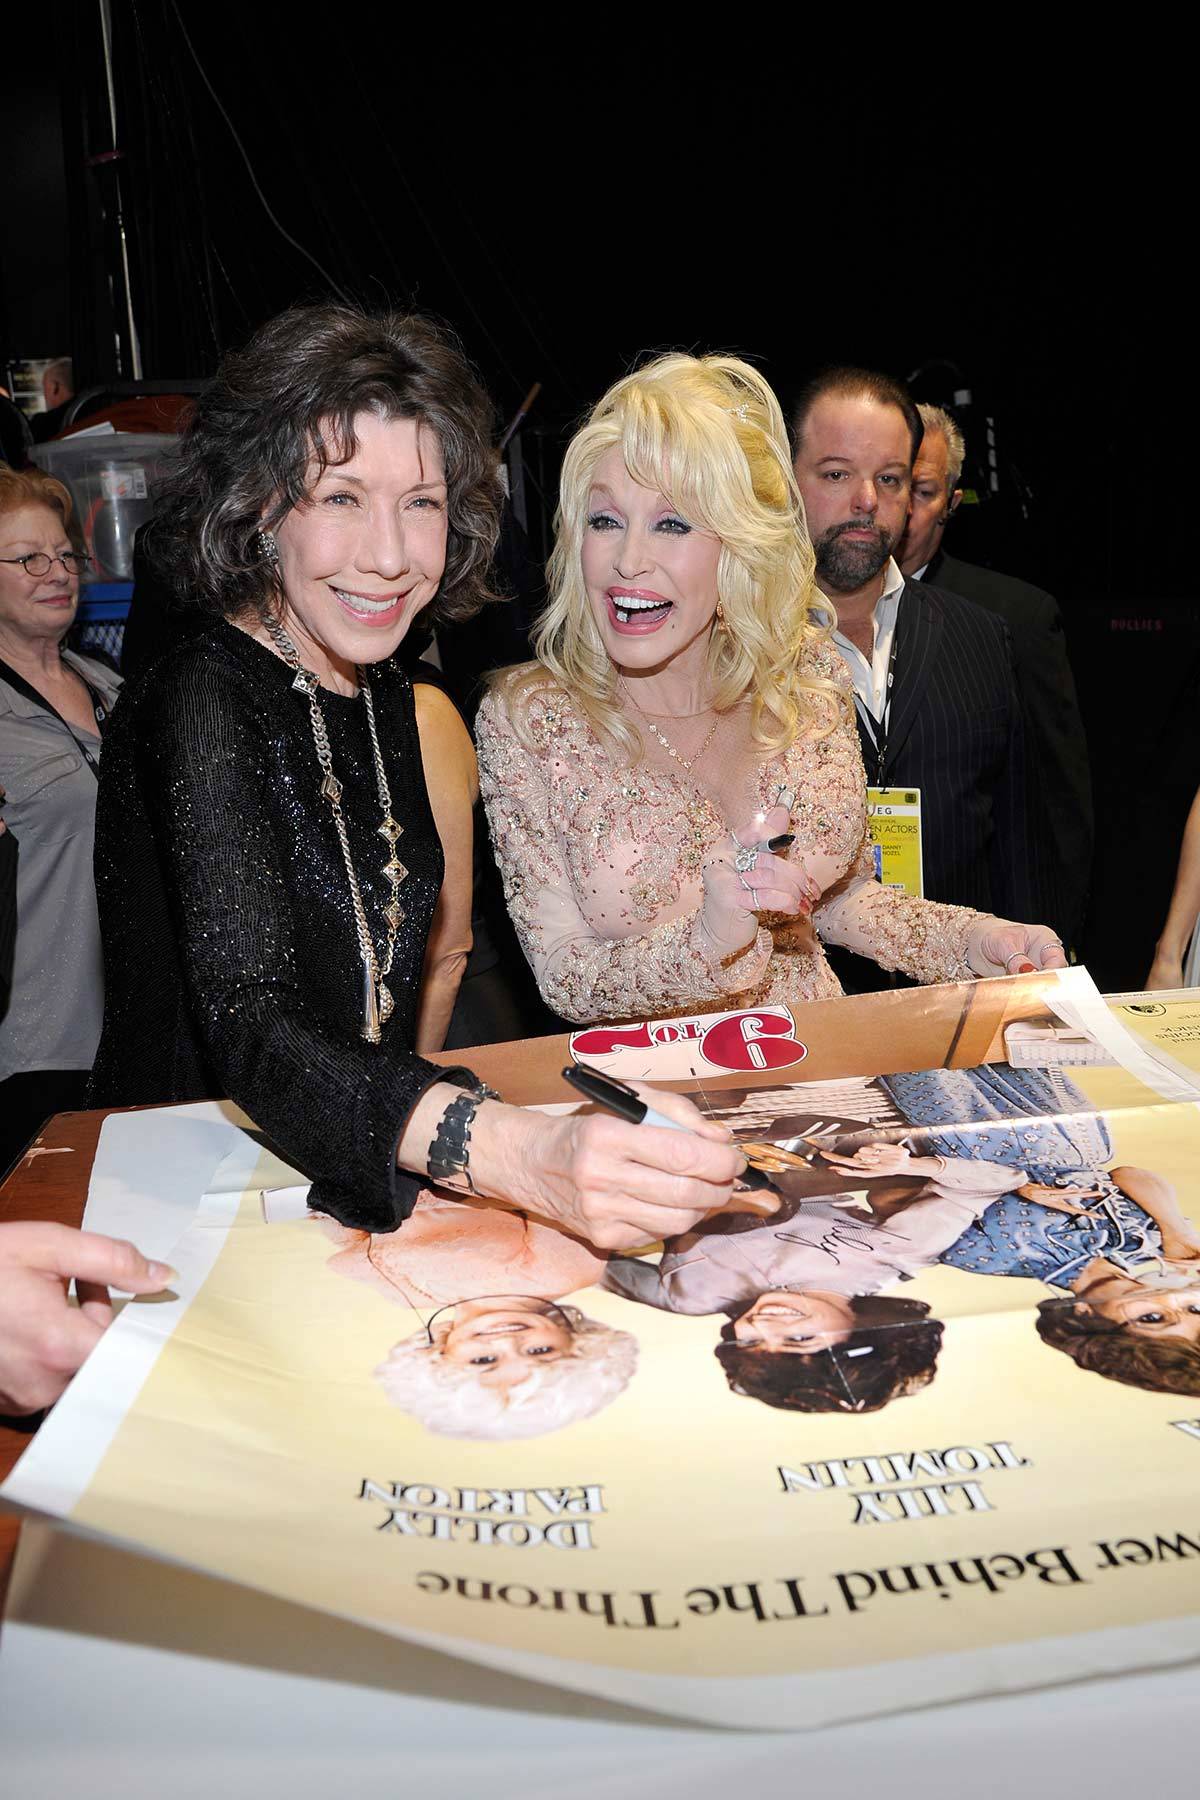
733	897
872	1159
999	947
1181	1248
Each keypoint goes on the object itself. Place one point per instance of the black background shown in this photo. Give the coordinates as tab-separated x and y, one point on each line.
572	190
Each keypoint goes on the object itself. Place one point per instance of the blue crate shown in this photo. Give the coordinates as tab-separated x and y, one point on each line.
100	622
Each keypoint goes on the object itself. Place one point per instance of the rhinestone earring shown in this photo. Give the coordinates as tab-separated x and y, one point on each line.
721	625
268	549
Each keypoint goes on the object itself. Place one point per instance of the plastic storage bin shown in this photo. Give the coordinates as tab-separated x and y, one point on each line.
111	480
100	622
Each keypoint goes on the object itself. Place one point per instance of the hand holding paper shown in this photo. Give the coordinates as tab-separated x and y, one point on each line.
43	1338
1000	947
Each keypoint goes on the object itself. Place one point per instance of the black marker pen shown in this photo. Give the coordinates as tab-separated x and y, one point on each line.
616	1097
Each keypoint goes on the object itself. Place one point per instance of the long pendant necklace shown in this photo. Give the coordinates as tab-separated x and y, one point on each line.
377	999
687	764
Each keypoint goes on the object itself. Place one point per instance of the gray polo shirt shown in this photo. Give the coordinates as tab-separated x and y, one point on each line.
54	1014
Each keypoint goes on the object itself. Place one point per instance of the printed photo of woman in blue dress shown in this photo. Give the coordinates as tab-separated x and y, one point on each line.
1112	1235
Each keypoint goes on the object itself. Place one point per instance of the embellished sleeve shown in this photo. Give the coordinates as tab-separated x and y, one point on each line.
921	938
581	975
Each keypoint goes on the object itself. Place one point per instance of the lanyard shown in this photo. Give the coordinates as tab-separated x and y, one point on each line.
877	729
24	688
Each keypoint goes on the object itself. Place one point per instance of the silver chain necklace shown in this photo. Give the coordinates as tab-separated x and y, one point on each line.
377	999
687	764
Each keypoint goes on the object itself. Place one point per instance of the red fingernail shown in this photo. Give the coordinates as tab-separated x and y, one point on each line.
1025	968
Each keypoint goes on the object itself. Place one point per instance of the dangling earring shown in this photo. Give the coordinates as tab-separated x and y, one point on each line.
268	549
721	625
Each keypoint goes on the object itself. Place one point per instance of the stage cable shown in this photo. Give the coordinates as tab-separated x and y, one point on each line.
281	229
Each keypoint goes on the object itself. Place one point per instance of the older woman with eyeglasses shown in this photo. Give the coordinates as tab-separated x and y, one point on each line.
53	707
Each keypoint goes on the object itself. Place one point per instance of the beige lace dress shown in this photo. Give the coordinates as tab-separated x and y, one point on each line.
602	860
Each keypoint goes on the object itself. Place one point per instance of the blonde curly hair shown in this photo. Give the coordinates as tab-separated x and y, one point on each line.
449	1399
709	434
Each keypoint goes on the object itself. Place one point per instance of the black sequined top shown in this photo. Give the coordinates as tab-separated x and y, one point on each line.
230	954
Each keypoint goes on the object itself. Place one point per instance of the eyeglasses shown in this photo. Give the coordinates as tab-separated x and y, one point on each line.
38	564
550	1306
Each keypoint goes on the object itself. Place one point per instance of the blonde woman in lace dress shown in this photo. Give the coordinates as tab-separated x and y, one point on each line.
686	703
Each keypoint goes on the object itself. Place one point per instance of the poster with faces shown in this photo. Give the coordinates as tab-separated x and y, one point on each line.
928	1429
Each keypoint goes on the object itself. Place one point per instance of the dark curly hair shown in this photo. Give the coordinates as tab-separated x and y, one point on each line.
1159	1366
292	394
897	1348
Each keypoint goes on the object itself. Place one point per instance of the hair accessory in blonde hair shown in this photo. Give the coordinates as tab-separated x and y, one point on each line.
665	424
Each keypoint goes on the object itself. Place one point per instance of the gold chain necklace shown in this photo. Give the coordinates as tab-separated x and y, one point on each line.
687	764
377	999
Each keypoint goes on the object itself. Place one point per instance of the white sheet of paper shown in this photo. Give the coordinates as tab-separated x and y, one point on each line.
152	1168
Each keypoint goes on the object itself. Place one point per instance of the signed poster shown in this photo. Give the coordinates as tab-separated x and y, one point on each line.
930	1429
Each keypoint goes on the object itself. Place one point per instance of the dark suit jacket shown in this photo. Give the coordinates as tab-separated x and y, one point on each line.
1055	742
957	734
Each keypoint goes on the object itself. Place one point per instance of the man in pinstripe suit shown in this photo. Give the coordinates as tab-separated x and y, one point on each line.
933	675
1055	741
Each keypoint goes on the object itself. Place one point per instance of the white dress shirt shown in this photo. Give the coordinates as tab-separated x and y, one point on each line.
870	678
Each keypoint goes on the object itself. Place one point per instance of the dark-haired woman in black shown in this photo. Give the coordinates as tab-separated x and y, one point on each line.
267	863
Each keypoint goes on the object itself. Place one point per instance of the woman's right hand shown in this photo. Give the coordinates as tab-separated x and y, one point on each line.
1061	1199
619	1186
733	899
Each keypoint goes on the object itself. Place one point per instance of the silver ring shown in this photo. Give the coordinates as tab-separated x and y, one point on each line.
1015	955
746	855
